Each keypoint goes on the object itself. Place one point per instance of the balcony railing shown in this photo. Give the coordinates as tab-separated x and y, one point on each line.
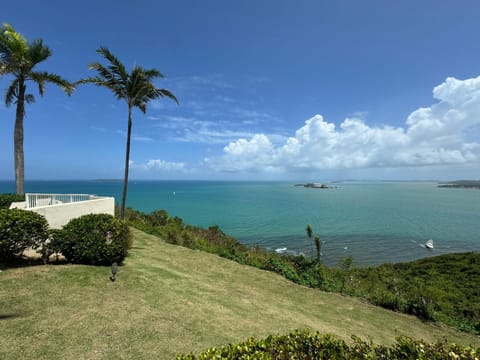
41	200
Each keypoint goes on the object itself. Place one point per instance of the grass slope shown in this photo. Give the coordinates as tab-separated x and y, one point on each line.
169	299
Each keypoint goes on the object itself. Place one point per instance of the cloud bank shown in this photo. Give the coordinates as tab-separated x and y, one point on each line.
437	135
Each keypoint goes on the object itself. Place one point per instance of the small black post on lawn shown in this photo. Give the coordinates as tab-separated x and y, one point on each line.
114	272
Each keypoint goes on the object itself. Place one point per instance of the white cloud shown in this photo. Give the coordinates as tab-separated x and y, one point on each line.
191	130
157	164
434	135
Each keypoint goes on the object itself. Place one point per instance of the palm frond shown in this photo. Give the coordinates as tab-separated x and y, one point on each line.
5	52
113	86
116	67
136	87
39	80
29	98
167	93
4	69
111	79
142	106
148	74
13	48
11	94
37	52
15	41
41	77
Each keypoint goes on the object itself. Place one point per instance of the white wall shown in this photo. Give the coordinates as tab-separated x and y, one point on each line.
18	205
60	214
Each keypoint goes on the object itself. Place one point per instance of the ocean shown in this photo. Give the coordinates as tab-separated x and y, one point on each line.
374	222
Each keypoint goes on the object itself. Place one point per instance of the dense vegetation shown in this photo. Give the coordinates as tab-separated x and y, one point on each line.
94	239
7	199
303	345
19	230
443	288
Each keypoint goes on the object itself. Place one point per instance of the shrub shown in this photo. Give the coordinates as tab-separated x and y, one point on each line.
158	218
7	199
386	299
277	265
303	345
51	245
94	239
19	230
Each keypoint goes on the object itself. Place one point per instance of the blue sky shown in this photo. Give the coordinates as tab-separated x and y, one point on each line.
268	90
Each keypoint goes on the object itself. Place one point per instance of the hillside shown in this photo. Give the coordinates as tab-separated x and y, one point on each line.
169	299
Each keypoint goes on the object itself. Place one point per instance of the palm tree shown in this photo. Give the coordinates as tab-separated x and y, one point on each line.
18	58
318	243
135	88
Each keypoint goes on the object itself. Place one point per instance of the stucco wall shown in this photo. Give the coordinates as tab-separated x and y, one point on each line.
18	205
60	214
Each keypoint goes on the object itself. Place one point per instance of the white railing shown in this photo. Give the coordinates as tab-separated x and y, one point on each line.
41	200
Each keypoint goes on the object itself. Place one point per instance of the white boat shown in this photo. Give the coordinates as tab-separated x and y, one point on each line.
281	250
429	244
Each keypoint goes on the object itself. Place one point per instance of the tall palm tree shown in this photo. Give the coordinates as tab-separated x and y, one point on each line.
18	58
135	88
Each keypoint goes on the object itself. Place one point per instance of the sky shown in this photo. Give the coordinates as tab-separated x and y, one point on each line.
305	90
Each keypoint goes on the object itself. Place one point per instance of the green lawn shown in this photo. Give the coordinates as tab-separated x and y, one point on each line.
169	299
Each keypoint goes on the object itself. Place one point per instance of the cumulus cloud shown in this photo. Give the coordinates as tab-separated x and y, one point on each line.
434	135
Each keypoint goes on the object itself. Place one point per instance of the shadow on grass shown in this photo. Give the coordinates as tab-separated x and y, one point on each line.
24	261
9	316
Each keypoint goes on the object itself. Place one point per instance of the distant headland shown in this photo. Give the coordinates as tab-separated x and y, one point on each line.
464	184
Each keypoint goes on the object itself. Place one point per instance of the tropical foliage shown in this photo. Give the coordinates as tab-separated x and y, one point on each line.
7	199
95	239
306	345
19	230
19	58
136	88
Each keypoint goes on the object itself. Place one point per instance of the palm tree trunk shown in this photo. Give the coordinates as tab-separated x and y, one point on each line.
18	141
127	163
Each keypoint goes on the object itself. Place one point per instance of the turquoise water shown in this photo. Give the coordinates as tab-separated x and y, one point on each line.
373	222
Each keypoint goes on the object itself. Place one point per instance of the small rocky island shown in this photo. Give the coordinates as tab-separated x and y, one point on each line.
314	185
463	184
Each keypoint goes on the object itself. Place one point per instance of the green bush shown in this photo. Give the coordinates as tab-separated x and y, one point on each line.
95	239
7	199
158	218
19	230
303	345
275	264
